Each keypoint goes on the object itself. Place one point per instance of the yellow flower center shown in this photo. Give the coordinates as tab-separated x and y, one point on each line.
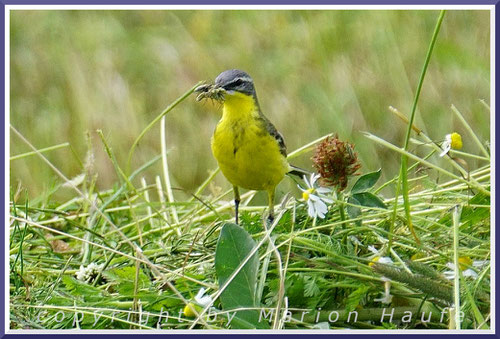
456	141
189	310
464	263
374	260
306	194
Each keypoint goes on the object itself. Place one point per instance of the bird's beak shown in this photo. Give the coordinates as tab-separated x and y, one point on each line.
203	88
210	91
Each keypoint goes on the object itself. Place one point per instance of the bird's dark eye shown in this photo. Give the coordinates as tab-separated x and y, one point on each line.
237	83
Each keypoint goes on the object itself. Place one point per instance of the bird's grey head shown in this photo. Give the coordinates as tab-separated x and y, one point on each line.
235	80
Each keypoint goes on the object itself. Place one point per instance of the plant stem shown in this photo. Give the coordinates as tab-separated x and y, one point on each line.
404	158
158	118
457	211
27	154
340	199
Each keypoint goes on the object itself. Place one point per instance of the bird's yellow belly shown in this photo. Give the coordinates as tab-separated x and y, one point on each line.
247	157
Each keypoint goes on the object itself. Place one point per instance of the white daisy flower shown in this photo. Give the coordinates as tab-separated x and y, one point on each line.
466	272
202	299
191	310
314	196
378	257
451	141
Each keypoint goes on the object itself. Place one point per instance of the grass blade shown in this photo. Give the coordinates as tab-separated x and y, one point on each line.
155	120
404	158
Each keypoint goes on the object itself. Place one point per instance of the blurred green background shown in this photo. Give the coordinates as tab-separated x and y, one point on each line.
316	72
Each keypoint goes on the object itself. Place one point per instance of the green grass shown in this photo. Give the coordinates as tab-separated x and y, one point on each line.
154	228
325	264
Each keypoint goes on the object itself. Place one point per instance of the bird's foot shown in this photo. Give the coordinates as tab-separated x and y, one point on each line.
269	220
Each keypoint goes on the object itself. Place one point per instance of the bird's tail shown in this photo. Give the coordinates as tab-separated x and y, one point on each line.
299	172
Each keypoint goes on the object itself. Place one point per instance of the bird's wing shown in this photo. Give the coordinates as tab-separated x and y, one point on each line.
269	127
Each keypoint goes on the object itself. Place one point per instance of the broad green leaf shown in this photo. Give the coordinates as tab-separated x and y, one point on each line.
366	181
233	247
354	211
369	200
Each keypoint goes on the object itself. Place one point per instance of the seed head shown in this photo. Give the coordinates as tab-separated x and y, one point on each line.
335	161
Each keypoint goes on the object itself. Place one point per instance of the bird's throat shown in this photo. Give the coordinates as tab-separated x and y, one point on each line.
239	106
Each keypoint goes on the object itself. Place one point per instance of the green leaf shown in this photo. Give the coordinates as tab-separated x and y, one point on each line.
127	274
369	200
81	288
366	181
311	289
471	216
355	297
233	247
124	279
354	211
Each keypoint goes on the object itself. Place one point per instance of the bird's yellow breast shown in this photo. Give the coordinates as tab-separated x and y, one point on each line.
247	154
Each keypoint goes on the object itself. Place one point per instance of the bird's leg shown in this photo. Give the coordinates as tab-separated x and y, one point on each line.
236	201
270	196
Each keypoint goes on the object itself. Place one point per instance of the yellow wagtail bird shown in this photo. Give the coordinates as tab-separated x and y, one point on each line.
250	152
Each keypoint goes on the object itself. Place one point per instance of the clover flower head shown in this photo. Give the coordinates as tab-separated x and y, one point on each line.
451	141
314	196
335	161
88	273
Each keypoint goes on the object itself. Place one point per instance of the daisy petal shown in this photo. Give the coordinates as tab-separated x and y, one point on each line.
200	293
314	197
307	182
449	275
470	273
314	177
310	210
205	301
328	201
479	263
321	207
446	148
385	260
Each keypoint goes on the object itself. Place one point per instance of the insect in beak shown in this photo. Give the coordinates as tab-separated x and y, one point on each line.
209	91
